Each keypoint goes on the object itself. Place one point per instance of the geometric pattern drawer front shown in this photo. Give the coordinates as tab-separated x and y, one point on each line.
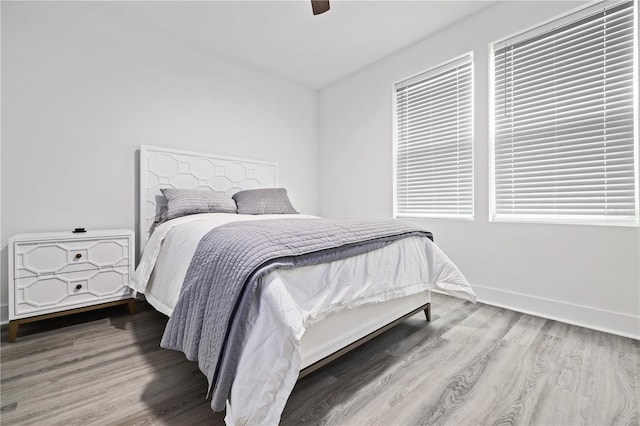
50	272
49	257
33	295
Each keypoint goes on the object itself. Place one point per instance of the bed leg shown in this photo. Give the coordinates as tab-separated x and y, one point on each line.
131	304
427	312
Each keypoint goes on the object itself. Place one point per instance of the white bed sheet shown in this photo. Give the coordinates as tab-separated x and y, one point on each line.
284	309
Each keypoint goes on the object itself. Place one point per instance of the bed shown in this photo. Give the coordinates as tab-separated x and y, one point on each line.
289	329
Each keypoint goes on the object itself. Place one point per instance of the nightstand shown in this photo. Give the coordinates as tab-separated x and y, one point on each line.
61	273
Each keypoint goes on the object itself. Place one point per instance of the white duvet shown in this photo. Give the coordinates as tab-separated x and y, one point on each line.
270	361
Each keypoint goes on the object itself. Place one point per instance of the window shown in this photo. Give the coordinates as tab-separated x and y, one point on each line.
434	142
565	120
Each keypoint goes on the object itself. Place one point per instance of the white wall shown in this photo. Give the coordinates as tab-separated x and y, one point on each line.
83	88
587	275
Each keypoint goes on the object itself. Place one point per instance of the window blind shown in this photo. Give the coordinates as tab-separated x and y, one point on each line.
564	144
434	136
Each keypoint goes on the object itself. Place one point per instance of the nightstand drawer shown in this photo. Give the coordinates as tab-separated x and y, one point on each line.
55	292
49	257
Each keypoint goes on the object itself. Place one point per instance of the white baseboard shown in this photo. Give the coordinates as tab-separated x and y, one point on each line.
4	314
584	316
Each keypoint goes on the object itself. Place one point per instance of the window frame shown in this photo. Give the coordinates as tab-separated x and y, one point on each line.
532	31
395	140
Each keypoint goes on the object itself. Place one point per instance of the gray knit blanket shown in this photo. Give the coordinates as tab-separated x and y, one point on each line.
208	322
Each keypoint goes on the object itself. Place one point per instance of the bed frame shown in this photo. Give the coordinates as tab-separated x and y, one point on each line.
426	308
172	168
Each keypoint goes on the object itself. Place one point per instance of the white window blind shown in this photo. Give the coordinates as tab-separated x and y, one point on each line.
434	138
565	148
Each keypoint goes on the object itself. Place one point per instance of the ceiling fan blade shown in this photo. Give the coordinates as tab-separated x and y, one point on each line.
319	6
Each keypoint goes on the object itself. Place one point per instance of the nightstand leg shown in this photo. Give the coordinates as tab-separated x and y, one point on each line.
13	330
131	303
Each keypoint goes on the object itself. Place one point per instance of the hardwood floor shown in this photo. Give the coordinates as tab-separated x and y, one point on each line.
473	364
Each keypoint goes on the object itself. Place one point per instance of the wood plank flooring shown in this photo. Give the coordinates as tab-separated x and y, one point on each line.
473	364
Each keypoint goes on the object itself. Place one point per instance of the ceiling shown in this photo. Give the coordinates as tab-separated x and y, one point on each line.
284	38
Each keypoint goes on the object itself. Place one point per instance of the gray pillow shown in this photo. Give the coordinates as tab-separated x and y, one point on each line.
264	201
183	202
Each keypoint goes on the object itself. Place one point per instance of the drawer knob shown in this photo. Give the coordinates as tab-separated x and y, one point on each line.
79	286
78	256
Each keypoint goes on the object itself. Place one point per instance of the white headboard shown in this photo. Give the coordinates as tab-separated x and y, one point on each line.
173	168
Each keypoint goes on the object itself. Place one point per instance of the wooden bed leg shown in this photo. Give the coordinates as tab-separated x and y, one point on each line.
427	312
131	304
13	330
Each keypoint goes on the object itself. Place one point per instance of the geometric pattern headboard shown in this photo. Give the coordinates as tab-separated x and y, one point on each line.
173	168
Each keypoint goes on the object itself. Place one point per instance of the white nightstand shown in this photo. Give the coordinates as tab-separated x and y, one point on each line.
60	273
